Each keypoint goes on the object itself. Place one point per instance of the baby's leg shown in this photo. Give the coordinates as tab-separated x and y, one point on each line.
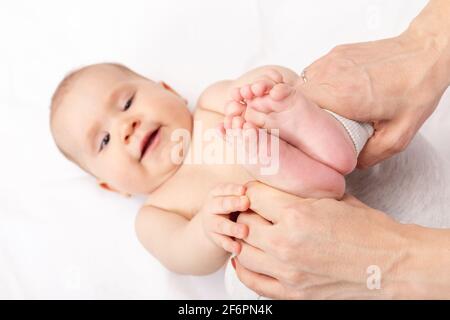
301	122
275	162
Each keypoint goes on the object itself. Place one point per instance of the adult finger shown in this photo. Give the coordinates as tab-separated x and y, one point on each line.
258	230
252	218
263	285
351	200
266	201
390	137
261	262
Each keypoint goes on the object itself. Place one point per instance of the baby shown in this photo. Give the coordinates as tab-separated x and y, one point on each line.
122	127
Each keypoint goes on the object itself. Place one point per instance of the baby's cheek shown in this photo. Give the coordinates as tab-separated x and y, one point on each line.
131	178
119	174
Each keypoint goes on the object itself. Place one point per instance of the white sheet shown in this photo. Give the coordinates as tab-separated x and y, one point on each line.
60	235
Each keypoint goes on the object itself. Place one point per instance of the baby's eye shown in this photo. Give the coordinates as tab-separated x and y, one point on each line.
128	104
104	142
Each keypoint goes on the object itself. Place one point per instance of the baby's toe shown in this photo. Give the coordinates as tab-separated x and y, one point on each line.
281	91
275	75
236	94
261	104
237	122
256	118
262	87
251	142
246	92
248	125
221	129
227	122
234	108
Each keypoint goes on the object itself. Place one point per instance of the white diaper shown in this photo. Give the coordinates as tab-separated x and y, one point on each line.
359	132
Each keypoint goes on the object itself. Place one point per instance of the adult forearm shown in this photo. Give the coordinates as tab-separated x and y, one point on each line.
423	274
434	18
394	83
431	28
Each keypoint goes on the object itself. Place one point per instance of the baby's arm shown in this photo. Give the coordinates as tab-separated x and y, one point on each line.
198	246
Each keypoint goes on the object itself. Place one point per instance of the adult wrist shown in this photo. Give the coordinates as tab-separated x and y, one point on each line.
429	62
430	32
433	20
423	272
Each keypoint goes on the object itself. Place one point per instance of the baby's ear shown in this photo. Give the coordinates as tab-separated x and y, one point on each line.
106	186
168	87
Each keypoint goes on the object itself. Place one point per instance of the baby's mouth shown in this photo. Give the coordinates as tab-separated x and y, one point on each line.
149	141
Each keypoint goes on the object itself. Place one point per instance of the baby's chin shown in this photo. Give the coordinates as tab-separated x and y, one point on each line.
153	183
159	163
157	172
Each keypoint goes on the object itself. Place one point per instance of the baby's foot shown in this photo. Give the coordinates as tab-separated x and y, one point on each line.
300	122
275	162
239	95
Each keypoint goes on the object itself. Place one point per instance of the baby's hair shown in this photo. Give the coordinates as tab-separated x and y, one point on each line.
64	87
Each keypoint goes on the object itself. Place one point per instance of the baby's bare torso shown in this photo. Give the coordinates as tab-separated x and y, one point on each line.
185	192
196	177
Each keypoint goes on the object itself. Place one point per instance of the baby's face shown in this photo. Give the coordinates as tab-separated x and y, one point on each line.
118	126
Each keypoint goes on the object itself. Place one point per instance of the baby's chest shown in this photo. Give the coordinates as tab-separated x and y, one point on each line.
186	192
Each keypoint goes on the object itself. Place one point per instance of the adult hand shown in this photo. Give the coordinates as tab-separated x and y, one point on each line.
395	83
315	249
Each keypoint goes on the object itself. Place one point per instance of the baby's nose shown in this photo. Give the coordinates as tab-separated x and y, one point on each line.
129	130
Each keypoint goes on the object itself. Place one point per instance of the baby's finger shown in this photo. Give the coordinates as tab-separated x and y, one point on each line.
226	243
228	189
227	227
228	204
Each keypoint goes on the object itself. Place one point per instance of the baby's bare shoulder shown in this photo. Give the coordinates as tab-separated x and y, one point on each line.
163	199
160	203
215	96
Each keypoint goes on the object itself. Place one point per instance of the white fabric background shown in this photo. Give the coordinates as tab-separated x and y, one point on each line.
60	235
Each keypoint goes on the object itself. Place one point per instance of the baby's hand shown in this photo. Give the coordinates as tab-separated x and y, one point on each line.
221	202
